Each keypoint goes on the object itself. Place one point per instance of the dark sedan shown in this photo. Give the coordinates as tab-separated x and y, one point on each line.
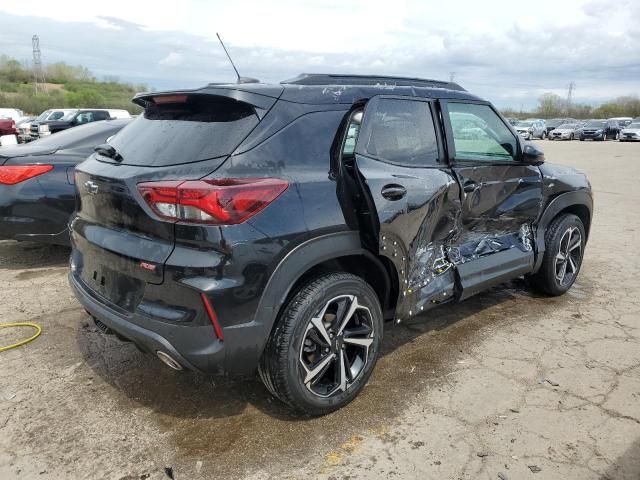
37	189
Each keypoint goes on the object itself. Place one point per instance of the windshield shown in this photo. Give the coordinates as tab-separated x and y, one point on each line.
66	117
568	126
195	128
634	125
524	124
554	122
596	124
43	115
624	123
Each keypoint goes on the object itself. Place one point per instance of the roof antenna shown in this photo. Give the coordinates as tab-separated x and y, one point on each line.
240	79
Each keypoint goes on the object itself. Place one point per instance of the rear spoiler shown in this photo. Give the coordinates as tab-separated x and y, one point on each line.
262	101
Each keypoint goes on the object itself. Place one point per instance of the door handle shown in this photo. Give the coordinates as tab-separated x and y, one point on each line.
393	192
469	187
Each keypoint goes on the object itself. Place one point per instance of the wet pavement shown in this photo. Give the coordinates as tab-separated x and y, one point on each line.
508	384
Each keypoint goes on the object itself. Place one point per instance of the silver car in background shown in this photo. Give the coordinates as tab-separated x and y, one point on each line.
631	133
566	131
528	129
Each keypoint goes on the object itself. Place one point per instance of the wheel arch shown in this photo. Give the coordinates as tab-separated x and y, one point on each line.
340	251
579	203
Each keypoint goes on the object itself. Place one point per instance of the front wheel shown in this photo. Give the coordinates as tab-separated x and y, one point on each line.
617	137
564	248
325	344
544	135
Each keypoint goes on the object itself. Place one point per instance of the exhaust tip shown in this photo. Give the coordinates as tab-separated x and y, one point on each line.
168	360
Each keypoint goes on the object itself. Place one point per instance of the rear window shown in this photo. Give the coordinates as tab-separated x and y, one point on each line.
198	128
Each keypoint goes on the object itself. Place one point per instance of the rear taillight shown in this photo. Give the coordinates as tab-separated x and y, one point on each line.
12	174
215	202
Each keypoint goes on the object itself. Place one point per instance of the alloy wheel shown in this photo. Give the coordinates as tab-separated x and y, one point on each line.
569	256
335	346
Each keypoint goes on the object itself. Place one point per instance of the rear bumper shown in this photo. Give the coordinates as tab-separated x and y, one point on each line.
153	336
194	346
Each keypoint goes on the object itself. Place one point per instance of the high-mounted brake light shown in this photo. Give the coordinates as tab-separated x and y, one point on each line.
12	174
161	99
214	202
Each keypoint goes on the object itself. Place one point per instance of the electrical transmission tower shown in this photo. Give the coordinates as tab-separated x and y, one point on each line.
452	76
38	74
572	86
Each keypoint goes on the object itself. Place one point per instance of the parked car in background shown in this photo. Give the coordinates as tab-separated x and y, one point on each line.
7	126
37	187
23	126
73	118
556	122
12	113
600	130
566	131
630	133
622	121
227	240
512	121
528	129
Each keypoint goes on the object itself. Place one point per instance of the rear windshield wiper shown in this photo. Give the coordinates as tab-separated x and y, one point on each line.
107	150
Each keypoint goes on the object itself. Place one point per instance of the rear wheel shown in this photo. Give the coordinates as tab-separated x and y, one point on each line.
325	344
564	247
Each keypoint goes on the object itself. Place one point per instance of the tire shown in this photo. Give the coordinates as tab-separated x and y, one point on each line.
617	137
544	135
604	137
571	137
563	229
529	137
581	139
298	346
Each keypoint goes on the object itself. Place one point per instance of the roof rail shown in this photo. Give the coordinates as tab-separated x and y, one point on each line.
334	79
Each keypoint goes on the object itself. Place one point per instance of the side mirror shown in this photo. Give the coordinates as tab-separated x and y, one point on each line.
532	154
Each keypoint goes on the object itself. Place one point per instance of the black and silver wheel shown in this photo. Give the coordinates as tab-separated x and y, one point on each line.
564	249
617	136
604	136
544	135
325	344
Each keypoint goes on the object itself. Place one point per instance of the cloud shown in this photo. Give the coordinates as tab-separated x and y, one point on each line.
500	50
174	59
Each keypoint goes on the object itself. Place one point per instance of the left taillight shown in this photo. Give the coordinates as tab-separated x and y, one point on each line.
12	174
215	202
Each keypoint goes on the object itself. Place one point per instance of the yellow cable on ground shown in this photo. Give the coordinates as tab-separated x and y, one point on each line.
21	342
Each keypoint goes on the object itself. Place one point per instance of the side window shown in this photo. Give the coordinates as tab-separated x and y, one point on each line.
403	132
480	134
100	115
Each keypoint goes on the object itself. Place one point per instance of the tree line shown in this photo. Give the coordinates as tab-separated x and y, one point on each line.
551	105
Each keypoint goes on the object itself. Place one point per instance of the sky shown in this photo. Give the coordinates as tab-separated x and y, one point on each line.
509	52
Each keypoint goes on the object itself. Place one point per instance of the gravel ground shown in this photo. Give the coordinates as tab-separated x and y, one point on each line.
506	385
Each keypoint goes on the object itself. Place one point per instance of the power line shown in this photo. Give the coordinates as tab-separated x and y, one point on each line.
38	74
572	86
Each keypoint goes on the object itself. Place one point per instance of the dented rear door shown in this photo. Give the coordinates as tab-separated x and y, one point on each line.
414	199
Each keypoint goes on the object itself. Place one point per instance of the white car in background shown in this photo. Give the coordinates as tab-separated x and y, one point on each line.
631	133
12	113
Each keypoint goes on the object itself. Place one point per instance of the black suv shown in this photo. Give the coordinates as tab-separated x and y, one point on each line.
275	227
600	130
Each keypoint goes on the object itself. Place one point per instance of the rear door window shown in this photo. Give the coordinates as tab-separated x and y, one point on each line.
191	129
401	131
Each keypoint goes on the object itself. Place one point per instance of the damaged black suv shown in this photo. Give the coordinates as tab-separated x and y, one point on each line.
275	228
